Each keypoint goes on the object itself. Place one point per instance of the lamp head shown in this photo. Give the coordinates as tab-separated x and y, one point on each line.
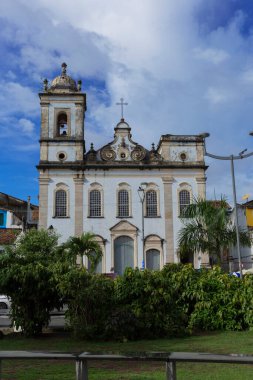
251	133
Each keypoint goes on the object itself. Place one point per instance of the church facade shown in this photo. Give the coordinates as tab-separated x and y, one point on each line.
128	196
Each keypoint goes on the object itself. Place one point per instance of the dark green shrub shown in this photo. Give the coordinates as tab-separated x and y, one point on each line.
152	299
122	324
216	302
90	302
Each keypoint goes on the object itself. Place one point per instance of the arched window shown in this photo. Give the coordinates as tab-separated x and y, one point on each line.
62	124
153	259
60	203
123	203
123	254
151	203
95	203
184	201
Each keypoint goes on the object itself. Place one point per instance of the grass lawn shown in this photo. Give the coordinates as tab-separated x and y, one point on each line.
223	343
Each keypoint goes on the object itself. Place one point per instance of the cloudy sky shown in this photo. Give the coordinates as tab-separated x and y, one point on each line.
184	67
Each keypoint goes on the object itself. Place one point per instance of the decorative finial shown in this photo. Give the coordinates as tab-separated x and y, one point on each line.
153	147
45	83
64	69
122	104
79	85
91	147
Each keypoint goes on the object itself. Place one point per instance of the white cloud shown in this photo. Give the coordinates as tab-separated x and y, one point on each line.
215	56
17	98
247	76
216	95
27	147
27	126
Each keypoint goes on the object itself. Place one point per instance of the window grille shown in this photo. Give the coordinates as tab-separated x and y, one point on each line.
95	203
184	201
123	203
60	203
151	203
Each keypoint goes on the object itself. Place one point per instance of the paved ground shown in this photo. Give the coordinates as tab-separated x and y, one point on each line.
57	321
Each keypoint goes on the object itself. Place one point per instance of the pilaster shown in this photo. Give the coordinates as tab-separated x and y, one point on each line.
201	182
43	201
79	181
44	131
168	215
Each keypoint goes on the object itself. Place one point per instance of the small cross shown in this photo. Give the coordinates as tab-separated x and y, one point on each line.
122	104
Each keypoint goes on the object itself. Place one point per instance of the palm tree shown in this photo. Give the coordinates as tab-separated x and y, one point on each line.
85	245
208	228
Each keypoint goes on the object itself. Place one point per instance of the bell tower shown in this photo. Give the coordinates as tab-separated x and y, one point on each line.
63	107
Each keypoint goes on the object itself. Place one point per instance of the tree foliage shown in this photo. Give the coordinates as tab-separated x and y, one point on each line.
208	228
85	245
27	277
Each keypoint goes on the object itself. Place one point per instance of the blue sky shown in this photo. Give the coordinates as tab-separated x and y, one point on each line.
184	67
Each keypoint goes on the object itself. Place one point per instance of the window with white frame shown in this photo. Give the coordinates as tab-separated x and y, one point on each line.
184	201
95	203
151	203
123	203
60	203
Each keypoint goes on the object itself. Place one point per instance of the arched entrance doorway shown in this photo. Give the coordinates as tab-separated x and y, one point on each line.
123	254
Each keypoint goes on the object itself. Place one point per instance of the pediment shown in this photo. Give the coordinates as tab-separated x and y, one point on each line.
153	238
123	226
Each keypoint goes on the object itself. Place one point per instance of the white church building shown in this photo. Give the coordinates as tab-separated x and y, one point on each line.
128	196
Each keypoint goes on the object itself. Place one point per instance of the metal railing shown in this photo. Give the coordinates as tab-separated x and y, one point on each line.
170	359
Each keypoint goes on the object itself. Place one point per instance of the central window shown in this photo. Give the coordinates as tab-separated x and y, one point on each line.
95	203
123	203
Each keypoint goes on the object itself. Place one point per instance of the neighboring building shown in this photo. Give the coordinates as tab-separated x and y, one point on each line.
102	190
16	215
245	222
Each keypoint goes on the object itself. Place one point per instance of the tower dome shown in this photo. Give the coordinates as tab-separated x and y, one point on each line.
63	83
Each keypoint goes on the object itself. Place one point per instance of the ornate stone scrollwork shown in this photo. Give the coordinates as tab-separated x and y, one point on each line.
123	153
138	153
107	154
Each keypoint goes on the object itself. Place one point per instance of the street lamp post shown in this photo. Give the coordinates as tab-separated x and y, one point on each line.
142	195
231	158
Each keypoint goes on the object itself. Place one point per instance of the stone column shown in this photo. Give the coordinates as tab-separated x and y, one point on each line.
168	216
79	180
201	182
44	131
79	120
43	201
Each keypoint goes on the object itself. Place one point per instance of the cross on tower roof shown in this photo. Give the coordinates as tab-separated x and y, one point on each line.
122	104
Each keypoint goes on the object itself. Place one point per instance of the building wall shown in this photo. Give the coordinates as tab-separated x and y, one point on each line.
109	182
246	252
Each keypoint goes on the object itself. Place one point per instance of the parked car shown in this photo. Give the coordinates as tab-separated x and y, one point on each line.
5	303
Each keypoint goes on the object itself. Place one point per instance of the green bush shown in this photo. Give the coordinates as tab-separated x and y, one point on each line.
153	301
90	302
150	304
